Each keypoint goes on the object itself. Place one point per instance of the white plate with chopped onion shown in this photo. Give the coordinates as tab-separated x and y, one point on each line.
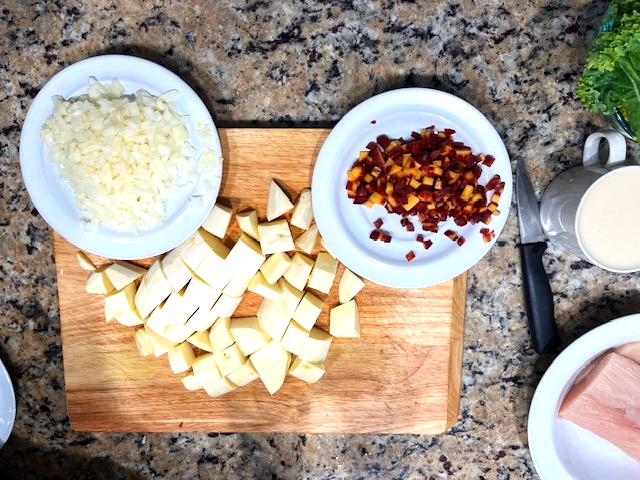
406	211
120	157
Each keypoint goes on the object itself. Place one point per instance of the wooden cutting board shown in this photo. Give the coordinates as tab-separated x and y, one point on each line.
402	376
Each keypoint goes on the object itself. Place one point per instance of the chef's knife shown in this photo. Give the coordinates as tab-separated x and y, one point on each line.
537	292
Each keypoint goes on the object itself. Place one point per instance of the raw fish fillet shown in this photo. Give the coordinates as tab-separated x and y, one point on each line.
606	401
630	350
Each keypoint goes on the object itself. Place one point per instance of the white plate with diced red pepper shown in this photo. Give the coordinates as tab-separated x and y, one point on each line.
411	188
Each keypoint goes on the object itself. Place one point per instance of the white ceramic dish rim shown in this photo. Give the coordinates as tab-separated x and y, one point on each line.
7	394
558	379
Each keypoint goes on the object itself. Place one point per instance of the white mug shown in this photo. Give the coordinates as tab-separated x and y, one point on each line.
563	199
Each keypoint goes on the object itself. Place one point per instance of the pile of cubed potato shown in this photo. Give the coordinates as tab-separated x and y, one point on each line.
183	304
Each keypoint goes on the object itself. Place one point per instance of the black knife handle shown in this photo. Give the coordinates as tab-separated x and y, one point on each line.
538	298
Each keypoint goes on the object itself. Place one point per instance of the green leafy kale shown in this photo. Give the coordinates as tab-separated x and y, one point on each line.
610	81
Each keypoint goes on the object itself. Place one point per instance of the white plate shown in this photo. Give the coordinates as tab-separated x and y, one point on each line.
560	449
345	227
54	198
7	405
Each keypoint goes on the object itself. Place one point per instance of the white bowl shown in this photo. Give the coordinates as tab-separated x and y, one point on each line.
560	449
7	405
54	198
345	227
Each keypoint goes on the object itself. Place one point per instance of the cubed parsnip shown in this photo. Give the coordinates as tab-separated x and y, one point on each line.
299	270
205	368
245	256
191	382
272	319
176	271
295	338
153	289
201	340
159	344
181	357
229	360
218	387
200	247
177	333
163	325
201	294
344	320
349	286
275	266
248	334
303	213
202	320
85	262
98	283
143	344
238	284
317	346
275	237
213	271
121	307
323	273
220	336
308	311
306	371
244	375
307	240
121	273
263	288
272	363
226	305
290	297
277	203
218	220
177	309
248	222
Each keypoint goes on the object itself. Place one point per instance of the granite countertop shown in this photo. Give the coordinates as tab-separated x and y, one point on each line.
308	63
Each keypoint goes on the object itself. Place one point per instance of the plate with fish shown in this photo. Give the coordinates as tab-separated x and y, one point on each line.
584	420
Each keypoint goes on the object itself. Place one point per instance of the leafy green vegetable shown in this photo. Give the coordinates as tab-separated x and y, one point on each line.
610	82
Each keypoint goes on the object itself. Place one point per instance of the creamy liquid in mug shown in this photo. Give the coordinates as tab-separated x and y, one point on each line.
609	220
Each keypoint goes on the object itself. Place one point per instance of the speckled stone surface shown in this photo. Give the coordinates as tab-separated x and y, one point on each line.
267	62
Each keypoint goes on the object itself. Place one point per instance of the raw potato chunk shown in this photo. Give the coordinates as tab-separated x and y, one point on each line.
245	256
218	387
299	270
278	203
201	294
201	340
306	371
308	311
324	272
244	375
272	363
290	298
303	213
205	368
191	382
121	306
199	247
272	320
350	285
275	237
85	262
121	274
159	344
181	357
275	266
212	267
218	220
175	311
220	335
177	333
202	320
317	346
143	344
175	270
153	290
248	335
344	320
248	222
238	284
295	338
226	305
229	360
98	283
307	240
263	288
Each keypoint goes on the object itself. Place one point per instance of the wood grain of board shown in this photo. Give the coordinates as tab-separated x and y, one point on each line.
401	376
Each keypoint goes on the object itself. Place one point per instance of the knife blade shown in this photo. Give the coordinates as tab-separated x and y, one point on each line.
538	297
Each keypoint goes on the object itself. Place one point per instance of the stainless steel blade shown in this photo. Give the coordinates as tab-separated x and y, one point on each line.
528	208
